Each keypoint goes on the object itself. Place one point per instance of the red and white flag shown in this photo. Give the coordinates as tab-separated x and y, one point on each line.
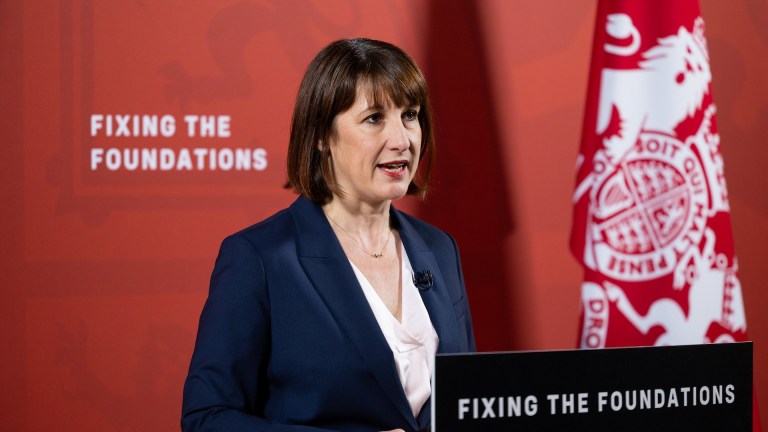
651	215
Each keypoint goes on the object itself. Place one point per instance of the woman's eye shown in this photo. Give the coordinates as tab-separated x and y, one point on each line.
411	115
373	118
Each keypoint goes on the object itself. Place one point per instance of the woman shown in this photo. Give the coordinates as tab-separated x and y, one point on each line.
327	315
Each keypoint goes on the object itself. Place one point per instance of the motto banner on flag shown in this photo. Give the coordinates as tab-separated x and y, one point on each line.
651	214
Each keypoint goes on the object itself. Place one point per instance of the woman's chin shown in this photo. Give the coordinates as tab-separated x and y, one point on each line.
395	192
378	193
390	194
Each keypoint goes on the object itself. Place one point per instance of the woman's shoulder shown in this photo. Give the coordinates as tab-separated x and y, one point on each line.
283	227
275	228
432	235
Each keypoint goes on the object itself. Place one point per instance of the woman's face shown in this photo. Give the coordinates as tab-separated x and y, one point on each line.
375	149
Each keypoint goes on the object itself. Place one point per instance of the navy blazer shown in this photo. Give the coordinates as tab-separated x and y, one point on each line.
288	342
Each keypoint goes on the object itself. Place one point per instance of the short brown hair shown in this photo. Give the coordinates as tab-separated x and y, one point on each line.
330	87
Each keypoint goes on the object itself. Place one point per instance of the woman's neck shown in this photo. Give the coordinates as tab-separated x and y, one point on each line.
359	218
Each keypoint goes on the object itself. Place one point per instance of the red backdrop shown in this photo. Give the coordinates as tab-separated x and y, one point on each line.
104	271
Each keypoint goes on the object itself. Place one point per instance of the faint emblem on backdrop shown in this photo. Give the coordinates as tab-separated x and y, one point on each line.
158	368
653	193
234	27
232	32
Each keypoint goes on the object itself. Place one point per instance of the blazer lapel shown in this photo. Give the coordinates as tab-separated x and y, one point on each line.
328	268
436	299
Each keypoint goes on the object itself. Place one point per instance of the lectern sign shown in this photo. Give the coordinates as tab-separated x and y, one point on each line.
693	387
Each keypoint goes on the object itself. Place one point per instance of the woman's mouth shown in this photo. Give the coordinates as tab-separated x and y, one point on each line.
394	169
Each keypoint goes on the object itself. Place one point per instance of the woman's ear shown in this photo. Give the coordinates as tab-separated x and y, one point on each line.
324	145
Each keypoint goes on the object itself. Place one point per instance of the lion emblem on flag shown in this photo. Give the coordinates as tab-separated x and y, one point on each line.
676	71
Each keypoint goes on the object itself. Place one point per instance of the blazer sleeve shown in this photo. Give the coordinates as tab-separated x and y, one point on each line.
464	302
227	387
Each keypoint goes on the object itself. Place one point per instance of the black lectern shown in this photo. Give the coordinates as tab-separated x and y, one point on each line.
656	389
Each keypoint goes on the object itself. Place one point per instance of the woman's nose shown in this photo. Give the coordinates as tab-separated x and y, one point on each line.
397	136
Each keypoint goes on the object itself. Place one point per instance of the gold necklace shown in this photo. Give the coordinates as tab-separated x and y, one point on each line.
359	243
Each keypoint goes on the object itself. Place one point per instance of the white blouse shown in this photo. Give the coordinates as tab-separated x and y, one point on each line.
413	341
